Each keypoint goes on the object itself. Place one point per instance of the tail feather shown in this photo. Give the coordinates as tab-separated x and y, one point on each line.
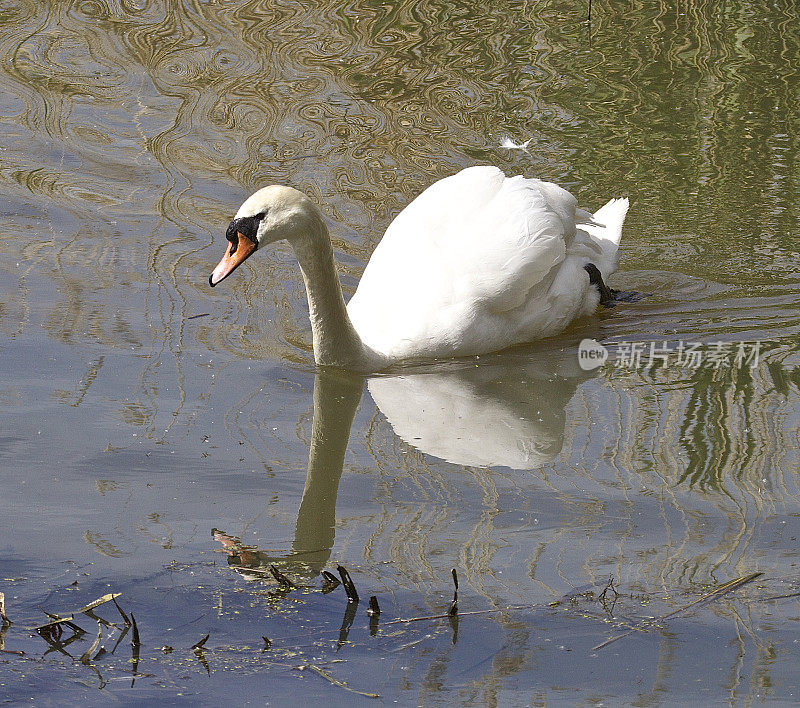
606	229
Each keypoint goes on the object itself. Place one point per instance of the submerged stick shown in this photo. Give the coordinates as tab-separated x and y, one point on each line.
337	682
781	597
708	597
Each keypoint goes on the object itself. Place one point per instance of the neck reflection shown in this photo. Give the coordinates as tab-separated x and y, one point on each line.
506	411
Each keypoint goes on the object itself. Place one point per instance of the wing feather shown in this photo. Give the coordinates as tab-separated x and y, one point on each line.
474	242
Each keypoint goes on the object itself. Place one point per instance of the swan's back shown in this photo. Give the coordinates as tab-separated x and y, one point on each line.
477	262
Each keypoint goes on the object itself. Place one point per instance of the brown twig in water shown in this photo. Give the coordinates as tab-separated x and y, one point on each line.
281	578
99	601
713	595
86	609
602	596
201	655
452	611
200	644
56	621
609	586
330	582
87	655
405	620
243	569
336	682
123	615
781	597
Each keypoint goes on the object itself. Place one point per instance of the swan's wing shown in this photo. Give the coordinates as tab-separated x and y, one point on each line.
474	242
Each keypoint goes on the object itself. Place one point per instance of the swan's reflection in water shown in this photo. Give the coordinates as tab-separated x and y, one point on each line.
336	398
504	410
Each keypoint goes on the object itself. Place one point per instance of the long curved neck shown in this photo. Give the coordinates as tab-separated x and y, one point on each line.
336	342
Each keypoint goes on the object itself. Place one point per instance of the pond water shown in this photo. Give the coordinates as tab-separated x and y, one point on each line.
170	442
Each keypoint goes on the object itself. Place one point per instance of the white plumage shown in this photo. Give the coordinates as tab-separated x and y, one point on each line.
476	263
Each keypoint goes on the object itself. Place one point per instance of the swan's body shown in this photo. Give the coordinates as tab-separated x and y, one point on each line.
478	262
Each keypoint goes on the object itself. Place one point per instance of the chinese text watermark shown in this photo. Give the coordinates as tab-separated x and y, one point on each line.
683	354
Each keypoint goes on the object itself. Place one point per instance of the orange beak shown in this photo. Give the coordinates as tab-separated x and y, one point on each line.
236	254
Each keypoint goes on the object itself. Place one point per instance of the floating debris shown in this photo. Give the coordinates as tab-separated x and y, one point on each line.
267	643
99	601
56	620
509	144
86	610
782	597
281	578
573	594
335	682
708	597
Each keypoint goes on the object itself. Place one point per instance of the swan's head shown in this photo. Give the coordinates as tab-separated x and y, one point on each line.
271	214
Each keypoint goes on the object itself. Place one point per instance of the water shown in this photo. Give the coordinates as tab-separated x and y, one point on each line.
147	422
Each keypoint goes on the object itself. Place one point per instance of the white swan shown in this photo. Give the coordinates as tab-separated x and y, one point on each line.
476	263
